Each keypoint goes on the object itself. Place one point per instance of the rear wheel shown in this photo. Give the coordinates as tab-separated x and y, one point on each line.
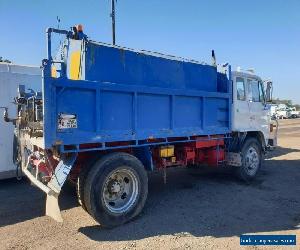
80	186
251	160
116	189
80	182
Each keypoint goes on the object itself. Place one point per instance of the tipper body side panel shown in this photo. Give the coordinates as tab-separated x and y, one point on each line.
122	95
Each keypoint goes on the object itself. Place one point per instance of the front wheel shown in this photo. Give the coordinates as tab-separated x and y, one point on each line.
251	160
116	189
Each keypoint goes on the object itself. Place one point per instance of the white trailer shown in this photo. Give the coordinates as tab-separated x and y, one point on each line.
11	76
273	109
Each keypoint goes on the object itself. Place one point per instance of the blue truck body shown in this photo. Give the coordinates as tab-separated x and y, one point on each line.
126	95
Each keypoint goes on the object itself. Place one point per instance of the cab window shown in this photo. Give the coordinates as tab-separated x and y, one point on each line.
261	92
254	90
240	89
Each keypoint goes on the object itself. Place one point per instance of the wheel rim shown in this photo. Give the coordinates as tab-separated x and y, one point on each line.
120	190
252	161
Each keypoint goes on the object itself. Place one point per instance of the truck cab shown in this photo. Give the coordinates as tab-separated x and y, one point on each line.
250	112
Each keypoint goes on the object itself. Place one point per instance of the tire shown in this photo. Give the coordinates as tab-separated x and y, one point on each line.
80	186
80	183
251	160
116	189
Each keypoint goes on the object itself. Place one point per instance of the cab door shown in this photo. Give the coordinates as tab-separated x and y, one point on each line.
241	109
259	115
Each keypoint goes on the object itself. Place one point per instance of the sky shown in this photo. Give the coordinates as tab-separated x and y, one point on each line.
263	35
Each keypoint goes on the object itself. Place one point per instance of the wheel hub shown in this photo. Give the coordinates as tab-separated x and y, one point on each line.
115	187
120	190
252	160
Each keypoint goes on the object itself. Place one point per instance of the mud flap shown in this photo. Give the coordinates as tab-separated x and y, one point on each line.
61	172
233	159
53	188
52	207
55	184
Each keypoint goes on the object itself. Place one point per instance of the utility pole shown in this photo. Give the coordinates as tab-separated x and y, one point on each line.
58	22
113	21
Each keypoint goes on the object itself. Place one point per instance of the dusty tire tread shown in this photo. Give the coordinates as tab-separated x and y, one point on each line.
97	173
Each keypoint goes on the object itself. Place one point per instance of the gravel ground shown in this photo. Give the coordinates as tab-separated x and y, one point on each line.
196	209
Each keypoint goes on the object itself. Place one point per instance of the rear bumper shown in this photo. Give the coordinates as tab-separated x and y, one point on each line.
53	187
52	206
37	183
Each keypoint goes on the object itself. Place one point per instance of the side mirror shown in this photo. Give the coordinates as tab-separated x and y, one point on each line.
269	91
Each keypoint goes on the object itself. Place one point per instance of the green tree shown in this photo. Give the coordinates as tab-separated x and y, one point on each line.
288	103
283	101
5	60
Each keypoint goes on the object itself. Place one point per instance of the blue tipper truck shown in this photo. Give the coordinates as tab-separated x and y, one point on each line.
106	115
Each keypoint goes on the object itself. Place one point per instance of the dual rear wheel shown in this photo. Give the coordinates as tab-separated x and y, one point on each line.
114	190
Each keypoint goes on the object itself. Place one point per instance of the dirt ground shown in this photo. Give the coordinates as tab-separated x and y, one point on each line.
196	209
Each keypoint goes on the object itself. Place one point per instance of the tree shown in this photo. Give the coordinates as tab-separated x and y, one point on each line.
5	60
297	106
288	103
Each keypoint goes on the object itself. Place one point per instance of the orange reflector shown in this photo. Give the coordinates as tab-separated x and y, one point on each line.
53	72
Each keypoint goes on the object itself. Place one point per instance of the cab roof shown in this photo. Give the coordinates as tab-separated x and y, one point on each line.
246	74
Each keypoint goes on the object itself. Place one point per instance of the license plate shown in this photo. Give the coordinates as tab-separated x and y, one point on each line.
66	121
